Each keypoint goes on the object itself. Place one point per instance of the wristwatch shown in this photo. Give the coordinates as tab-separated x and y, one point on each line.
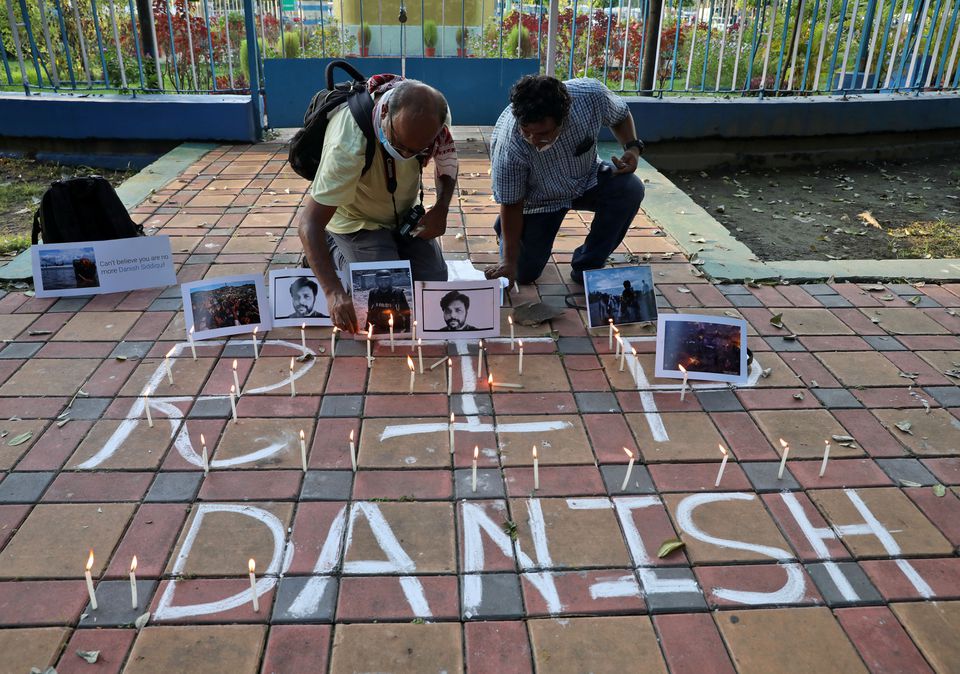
633	143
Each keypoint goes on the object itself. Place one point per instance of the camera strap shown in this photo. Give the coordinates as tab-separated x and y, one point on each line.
390	168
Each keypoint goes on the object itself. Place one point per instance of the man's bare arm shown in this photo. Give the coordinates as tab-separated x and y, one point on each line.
624	132
511	231
313	236
434	222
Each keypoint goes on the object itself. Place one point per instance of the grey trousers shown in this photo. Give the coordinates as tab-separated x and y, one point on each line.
382	245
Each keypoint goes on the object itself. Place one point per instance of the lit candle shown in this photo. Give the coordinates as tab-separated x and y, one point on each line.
826	457
413	336
479	358
536	469
510	321
204	456
353	453
390	323
193	349
369	345
303	338
636	364
626	478
236	381
133	583
616	340
86	573
293	386
420	354
252	565
333	342
783	459
233	403
256	352
413	373
476	454
449	377
610	334
303	451
723	465
490	382
520	359
146	408
622	351
169	367
683	387
450	433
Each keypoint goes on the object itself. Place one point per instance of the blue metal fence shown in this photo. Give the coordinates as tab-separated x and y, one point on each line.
704	47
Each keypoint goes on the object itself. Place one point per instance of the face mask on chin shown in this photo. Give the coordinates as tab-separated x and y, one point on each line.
390	149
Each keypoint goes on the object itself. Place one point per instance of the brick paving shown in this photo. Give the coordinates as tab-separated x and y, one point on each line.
401	566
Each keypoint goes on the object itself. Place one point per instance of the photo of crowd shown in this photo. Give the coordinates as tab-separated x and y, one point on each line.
704	347
624	294
226	306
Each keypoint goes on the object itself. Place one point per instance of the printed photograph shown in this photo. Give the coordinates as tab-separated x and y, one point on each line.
226	306
625	294
458	309
68	268
710	348
297	298
381	290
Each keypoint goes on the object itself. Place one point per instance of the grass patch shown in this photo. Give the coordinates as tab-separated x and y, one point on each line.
13	243
934	239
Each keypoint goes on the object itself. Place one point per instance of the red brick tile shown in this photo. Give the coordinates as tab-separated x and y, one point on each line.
858	322
834	343
498	648
759	578
534	403
368	598
311	526
331	445
609	434
36	305
8	367
777	399
278	406
692	477
943	511
417	405
95	487
869	433
685	300
777	505
930	342
897	398
11	302
47	322
201	591
742	436
883	644
942	575
111	302
770	296
809	369
709	296
951	323
221	376
347	375
759	318
109	378
798	296
10	518
555	481
945	470
150	536
856	295
32	408
76	350
150	325
296	648
941	295
41	602
55	446
573	588
912	363
113	644
692	645
395	484
839	473
248	485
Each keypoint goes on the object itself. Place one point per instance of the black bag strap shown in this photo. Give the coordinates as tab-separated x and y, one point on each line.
347	68
35	235
361	107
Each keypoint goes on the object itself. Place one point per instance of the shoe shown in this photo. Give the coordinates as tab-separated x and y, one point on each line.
576	276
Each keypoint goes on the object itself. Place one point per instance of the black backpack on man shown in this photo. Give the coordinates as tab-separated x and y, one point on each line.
307	145
82	209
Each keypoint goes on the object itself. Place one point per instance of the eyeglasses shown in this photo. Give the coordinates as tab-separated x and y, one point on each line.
399	147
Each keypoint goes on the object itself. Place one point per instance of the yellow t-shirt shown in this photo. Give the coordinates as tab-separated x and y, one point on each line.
363	202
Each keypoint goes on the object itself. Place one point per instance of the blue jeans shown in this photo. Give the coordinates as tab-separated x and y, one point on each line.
614	200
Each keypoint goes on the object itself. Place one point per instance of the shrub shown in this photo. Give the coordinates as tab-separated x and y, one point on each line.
523	36
289	46
430	33
363	36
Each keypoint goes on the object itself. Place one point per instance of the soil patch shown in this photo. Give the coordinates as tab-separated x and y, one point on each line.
864	210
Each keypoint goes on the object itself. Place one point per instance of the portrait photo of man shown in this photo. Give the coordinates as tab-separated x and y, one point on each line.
386	300
455	306
303	296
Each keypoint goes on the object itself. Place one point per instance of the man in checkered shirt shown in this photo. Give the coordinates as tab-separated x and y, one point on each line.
544	163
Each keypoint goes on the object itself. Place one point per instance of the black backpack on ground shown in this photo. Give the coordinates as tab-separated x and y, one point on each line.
307	144
82	209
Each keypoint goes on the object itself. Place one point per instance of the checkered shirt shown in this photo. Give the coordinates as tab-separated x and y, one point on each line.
550	181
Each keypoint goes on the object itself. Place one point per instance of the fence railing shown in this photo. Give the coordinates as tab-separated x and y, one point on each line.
703	47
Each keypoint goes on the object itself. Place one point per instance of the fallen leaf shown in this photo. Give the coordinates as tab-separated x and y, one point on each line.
142	620
121	358
89	656
904	426
868	218
887	298
669	546
915	300
20	439
777	321
798	396
766	372
939	490
910	483
683	290
842	438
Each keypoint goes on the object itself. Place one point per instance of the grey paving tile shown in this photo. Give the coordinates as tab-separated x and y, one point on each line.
836	398
640	480
948	396
174	487
884	343
575	345
341	406
166	304
89	408
498	593
670	602
552	289
69	304
211	408
859	590
20	350
819	289
132	349
201	258
763	476
305	599
597	402
115	603
834	301
171	291
23	487
350	347
733	289
745	300
241	348
909	470
903	289
719	401
784	344
472	403
327	485
489	483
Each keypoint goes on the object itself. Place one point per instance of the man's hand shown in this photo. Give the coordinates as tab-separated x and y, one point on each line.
505	270
434	223
342	312
627	163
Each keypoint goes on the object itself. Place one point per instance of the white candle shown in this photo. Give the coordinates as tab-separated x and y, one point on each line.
783	459
233	403
510	321
479	357
449	377
636	364
86	573
146	408
622	351
536	469
236	381
193	349
256	352
420	354
413	336
626	478
333	342
450	433
826	457
353	453
683	387
252	565
476	454
520	359
610	334
133	583
723	465
390	323
413	373
293	386
303	338
303	451
169	367
616	340
204	457
516	288
369	345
